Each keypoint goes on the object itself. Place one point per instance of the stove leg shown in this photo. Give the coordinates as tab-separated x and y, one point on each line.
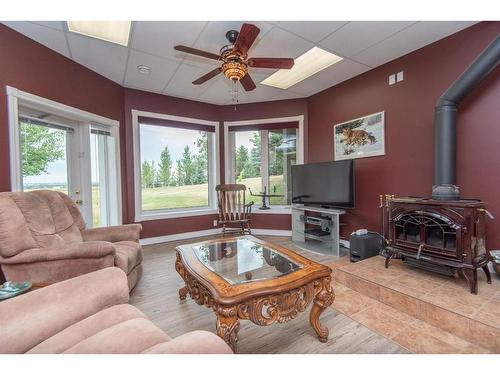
471	277
388	257
487	272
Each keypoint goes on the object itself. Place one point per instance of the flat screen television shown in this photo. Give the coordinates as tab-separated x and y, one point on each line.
329	184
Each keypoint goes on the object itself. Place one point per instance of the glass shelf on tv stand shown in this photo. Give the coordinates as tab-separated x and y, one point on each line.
321	247
325	241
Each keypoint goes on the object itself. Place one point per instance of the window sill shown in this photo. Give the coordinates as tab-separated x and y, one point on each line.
279	210
174	214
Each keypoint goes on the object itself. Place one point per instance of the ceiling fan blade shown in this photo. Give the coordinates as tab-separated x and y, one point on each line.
246	37
197	52
270	62
247	83
207	76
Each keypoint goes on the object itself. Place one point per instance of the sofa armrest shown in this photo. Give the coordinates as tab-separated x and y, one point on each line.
195	342
82	250
31	318
128	232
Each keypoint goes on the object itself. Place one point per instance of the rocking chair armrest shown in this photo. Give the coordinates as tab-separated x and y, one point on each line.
248	208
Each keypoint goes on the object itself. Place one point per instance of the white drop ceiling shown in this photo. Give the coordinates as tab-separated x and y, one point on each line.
363	45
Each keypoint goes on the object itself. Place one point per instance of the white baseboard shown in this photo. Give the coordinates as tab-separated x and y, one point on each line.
179	236
272	232
209	232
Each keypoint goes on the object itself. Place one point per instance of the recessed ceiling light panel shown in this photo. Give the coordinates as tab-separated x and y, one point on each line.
111	31
306	65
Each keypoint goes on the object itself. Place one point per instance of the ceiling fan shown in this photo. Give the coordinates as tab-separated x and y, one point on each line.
234	58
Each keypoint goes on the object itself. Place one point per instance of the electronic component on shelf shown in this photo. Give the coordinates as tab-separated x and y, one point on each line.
317	232
315	220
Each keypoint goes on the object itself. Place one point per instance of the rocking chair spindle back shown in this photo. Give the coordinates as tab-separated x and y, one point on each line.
232	208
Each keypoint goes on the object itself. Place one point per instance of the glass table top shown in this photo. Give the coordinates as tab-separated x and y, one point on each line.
242	260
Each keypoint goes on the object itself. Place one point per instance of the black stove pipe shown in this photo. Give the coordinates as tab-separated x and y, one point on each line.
445	119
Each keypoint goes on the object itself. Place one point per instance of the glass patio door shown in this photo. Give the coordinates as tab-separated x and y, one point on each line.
48	151
75	158
101	162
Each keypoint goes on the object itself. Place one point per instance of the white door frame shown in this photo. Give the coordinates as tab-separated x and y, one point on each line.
16	97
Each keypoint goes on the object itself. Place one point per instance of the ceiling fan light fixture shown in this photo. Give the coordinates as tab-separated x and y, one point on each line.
306	65
117	32
234	70
234	58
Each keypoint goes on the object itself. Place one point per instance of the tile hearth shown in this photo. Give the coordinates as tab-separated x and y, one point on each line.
419	309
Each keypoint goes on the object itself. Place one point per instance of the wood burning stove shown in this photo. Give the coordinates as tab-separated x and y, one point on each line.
442	236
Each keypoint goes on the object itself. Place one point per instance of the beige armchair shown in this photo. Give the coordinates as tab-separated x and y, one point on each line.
43	239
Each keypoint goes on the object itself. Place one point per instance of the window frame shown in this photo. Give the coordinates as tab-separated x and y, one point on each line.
213	170
229	153
81	123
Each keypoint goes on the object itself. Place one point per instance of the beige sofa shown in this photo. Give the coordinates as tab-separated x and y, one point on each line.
90	314
43	239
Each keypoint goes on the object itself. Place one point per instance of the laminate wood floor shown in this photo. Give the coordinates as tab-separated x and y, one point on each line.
157	296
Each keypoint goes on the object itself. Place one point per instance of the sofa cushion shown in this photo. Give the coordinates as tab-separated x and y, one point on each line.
54	271
48	217
194	342
14	233
128	337
45	312
128	255
134	276
86	328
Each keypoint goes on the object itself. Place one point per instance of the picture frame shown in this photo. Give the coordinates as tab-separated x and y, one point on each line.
360	138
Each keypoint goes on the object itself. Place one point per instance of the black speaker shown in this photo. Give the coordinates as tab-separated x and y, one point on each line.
364	246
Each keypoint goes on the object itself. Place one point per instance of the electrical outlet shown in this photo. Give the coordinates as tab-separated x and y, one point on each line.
392	79
215	223
399	76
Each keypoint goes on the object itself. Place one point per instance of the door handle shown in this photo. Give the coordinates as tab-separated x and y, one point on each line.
78	201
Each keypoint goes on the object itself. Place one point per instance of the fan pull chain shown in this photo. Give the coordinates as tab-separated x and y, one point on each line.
235	93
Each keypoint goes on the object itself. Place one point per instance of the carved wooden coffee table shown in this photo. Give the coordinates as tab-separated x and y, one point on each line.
247	278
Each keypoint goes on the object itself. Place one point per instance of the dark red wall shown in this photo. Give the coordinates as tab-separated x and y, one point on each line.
34	68
407	167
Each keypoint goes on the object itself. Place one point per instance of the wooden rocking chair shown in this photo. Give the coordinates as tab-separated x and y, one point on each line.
233	210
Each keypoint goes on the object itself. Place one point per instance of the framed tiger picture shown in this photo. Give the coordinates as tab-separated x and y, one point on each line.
360	138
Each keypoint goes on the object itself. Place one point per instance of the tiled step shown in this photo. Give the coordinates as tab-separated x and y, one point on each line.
437	306
413	334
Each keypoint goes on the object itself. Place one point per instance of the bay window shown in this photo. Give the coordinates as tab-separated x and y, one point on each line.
260	155
175	162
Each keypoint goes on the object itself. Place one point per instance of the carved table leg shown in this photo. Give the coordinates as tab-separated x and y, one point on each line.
183	292
324	298
179	267
228	325
487	272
